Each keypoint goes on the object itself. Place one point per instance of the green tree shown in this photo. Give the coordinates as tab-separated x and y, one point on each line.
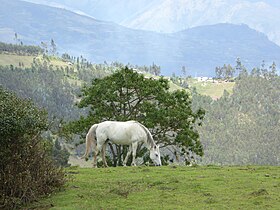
127	95
184	71
45	47
273	70
229	71
26	168
256	72
154	69
53	47
264	70
240	69
218	72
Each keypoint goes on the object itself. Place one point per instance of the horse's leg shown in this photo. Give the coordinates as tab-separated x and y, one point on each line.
134	148
95	158
127	156
103	155
98	148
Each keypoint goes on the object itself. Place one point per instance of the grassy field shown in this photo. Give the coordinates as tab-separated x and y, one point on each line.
169	187
15	60
12	59
214	90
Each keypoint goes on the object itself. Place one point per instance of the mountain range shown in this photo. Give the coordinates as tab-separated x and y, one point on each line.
200	49
169	16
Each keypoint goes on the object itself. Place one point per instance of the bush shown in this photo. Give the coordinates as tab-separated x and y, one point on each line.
26	169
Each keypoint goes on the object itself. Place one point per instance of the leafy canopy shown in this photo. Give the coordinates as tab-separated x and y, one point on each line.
26	169
128	95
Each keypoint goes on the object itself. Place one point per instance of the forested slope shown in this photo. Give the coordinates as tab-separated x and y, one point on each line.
243	128
239	128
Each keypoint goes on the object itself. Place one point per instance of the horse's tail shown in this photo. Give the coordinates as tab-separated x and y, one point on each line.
90	140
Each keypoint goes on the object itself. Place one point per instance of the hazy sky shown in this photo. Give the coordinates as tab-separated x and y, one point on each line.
275	3
272	2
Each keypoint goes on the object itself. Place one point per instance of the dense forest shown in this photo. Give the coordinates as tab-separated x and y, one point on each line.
243	128
53	87
240	128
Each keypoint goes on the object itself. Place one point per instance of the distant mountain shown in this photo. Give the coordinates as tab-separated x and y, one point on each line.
107	10
175	15
200	49
171	16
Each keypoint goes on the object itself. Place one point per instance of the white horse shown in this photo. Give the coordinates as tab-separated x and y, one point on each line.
123	133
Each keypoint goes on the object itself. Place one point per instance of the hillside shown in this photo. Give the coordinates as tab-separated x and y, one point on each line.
54	82
100	41
243	127
208	88
16	60
27	60
248	111
209	187
215	89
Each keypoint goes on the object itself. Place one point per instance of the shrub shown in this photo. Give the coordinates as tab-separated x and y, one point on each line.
26	169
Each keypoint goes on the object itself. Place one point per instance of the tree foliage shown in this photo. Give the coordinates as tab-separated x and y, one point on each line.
47	86
128	95
20	49
243	128
226	72
26	168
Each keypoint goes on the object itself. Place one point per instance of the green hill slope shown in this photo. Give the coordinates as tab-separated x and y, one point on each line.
6	59
214	90
209	88
27	60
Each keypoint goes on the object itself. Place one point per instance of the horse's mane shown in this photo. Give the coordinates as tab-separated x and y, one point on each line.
150	140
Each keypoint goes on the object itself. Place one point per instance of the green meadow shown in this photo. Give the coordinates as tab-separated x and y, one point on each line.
168	187
27	60
213	89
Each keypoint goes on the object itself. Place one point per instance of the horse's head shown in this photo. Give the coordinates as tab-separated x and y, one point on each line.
155	155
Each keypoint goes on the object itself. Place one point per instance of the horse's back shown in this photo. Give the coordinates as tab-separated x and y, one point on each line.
123	133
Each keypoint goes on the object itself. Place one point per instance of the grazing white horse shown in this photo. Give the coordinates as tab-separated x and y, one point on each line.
123	133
